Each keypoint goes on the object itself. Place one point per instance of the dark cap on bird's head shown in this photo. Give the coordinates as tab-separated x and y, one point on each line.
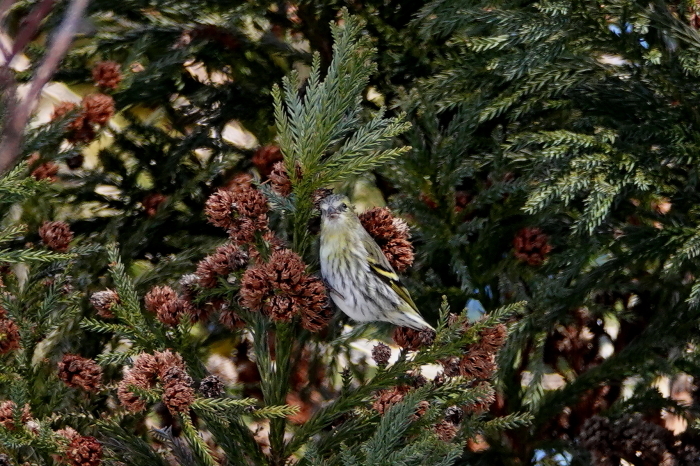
334	205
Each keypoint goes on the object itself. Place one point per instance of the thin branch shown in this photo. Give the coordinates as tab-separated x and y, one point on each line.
30	26
4	8
19	115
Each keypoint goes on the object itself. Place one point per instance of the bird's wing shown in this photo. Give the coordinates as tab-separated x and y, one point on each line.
379	265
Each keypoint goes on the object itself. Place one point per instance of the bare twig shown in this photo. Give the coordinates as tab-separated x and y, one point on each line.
19	111
30	26
4	8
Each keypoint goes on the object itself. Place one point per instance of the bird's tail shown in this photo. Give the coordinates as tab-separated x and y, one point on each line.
413	320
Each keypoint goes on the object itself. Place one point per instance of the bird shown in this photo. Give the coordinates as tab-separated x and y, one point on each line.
361	280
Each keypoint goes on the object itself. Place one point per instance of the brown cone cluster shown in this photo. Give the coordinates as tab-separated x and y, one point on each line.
165	303
44	171
412	340
279	180
9	333
281	289
479	359
445	431
84	451
381	354
107	74
265	159
630	438
148	369
391	234
211	386
79	372
7	417
226	260
385	399
56	235
241	212
95	110
103	301
531	246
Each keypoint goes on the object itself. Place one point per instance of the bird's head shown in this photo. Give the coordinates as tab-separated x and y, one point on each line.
336	210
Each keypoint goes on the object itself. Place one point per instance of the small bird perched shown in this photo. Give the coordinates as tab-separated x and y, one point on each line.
362	282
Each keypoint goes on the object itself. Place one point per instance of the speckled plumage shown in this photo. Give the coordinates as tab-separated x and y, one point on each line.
363	284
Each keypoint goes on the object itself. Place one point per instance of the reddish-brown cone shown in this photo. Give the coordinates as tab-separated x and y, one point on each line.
9	335
211	386
381	354
98	108
103	301
151	203
178	393
166	304
56	235
477	364
412	340
531	246
493	338
281	289
279	180
7	418
45	171
241	212
84	451
79	372
79	129
265	158
445	431
226	259
385	399
391	234
107	74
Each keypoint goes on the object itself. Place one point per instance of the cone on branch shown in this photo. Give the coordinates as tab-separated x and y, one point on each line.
78	372
531	246
391	234
107	74
56	235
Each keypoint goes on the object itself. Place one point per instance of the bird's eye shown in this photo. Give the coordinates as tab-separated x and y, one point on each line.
344	205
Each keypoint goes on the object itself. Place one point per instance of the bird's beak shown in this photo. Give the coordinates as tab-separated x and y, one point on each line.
332	212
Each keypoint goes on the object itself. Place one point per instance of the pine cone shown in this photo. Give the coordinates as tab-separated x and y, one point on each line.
482	404
211	386
45	171
413	340
385	399
279	180
281	289
151	203
596	436
531	246
178	394
381	354
107	74
98	108
226	259
84	451
241	212
477	364
9	335
79	129
103	302
56	235
265	158
391	234
79	372
7	418
445	431
493	338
